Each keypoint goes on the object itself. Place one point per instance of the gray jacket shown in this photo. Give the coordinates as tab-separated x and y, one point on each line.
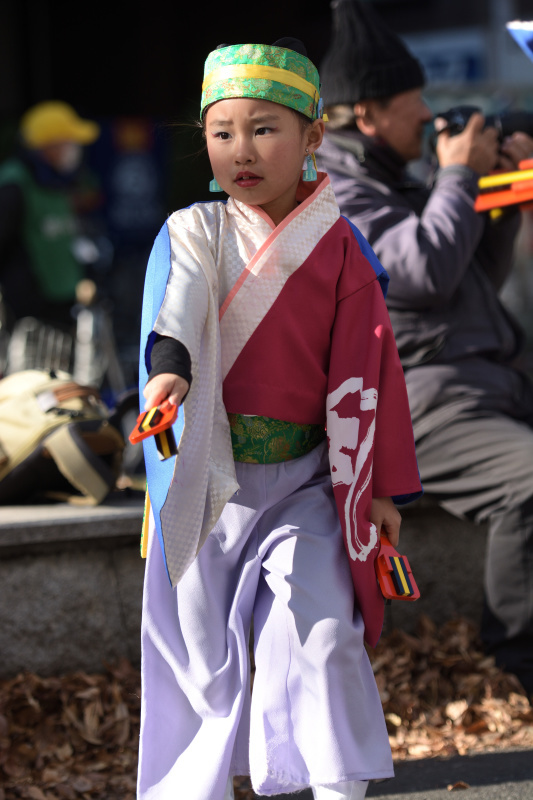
446	264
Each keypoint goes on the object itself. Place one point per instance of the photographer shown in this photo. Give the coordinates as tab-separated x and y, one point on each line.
472	410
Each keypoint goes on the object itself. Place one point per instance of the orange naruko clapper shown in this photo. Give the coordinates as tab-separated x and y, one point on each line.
394	574
157	422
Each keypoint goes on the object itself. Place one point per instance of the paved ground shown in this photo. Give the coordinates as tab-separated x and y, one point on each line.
504	775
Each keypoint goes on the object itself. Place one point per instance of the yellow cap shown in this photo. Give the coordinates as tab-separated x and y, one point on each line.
54	121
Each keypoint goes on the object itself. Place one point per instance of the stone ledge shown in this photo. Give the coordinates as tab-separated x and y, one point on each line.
72	580
30	528
447	556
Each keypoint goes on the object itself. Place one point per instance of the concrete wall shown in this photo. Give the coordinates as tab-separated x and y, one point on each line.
71	581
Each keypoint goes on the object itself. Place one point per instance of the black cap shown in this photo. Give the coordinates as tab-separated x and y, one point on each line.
290	43
365	59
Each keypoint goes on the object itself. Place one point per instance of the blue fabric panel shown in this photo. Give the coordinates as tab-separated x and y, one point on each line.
403	499
523	37
158	473
371	257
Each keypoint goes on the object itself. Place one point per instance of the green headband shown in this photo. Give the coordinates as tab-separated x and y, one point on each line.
263	72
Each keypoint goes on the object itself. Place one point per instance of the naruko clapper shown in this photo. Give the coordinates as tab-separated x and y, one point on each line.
157	422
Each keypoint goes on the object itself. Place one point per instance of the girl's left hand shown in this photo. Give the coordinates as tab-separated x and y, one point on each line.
384	514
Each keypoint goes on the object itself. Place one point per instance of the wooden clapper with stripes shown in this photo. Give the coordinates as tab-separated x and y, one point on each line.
157	422
394	573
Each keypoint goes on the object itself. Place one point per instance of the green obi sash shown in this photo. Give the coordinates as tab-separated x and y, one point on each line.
262	440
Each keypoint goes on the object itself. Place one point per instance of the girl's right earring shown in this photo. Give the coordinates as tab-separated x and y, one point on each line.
214	186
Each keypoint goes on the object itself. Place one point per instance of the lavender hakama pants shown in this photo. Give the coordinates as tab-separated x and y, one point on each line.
315	715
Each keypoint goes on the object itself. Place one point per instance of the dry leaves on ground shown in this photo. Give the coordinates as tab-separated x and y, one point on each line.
70	737
443	696
76	736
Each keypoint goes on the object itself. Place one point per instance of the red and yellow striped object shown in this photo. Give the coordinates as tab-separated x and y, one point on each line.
394	574
157	422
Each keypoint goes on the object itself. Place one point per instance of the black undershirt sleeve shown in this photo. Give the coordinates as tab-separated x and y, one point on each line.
170	355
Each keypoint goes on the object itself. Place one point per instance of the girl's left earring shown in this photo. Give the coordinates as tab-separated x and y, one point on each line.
214	186
310	173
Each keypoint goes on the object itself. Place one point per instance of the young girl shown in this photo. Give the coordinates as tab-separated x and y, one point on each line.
265	316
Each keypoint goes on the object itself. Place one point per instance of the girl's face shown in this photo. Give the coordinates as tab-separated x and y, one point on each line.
257	149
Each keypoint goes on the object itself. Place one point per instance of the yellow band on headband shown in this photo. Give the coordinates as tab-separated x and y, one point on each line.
256	71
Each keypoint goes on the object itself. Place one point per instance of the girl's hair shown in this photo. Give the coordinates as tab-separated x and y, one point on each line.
304	121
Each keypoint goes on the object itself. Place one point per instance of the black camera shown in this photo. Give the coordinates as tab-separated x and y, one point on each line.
506	122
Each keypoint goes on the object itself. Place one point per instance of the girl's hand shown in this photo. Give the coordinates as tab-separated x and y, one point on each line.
384	514
166	386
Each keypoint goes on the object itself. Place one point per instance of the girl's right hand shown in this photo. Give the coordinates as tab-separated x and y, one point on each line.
166	386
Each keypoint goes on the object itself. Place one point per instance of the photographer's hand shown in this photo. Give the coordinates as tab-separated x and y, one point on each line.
514	149
475	147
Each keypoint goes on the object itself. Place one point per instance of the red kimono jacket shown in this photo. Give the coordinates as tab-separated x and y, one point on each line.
305	337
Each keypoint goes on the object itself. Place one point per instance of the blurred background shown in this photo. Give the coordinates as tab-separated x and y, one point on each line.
136	68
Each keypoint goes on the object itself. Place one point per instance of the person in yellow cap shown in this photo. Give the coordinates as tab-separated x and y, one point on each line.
38	269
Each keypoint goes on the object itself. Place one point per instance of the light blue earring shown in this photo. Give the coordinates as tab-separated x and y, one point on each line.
214	186
310	173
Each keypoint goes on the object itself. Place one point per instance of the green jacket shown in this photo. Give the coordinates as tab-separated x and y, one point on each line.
47	229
